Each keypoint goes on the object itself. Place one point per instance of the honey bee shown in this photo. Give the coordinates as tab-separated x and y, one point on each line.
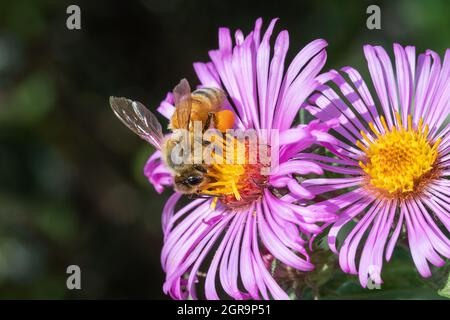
204	105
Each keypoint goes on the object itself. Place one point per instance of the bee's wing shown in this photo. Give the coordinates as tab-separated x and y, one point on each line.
183	103
139	119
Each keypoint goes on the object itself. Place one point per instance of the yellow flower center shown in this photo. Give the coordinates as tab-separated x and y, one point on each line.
398	160
237	182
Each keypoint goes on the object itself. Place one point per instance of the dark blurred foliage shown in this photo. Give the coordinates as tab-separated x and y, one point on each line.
71	183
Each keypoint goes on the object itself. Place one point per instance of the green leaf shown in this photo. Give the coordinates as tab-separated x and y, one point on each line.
445	291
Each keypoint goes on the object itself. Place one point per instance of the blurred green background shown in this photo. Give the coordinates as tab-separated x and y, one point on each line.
71	183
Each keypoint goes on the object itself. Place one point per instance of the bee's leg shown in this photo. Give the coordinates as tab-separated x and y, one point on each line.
208	121
258	184
207	125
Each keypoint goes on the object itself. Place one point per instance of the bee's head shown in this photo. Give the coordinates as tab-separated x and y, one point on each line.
189	179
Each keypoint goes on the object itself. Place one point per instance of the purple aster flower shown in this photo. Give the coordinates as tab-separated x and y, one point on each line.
391	177
238	238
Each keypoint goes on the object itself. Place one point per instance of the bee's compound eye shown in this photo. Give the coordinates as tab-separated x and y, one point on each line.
194	180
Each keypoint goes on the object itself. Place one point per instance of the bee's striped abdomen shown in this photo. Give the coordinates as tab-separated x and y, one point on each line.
212	96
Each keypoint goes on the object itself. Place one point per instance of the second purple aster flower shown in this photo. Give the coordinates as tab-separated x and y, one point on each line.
393	160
